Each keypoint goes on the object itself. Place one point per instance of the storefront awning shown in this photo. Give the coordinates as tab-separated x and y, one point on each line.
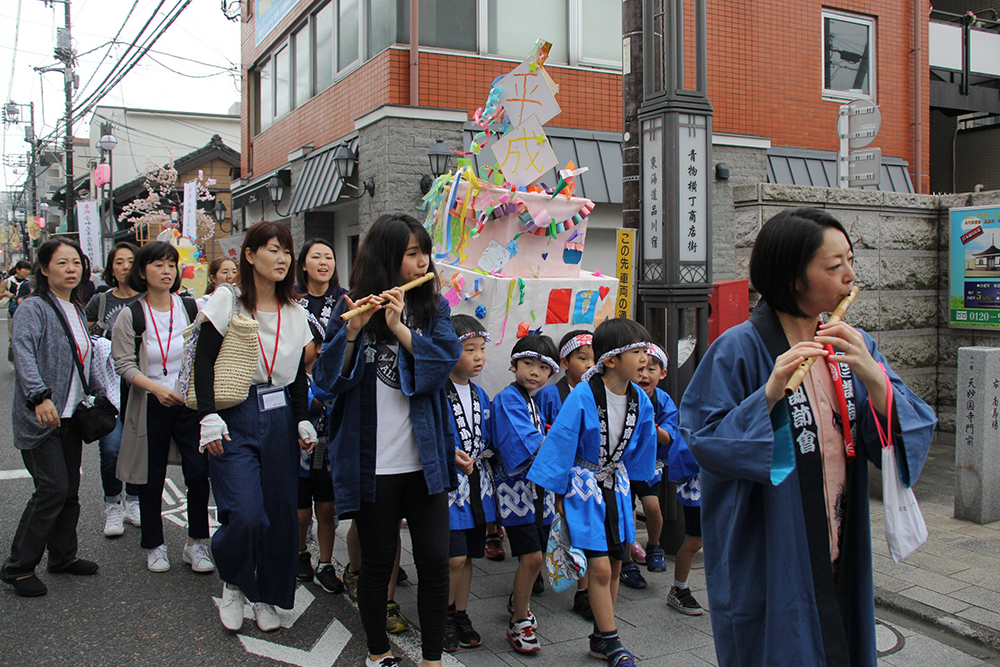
804	166
320	184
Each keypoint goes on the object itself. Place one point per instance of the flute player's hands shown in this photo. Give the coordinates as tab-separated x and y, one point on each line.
785	367
356	323
851	343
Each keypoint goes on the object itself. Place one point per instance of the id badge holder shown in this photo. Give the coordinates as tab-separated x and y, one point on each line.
270	397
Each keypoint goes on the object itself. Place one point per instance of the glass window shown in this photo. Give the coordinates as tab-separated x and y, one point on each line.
282	82
382	23
848	55
348	33
323	39
601	34
444	24
514	25
303	71
265	91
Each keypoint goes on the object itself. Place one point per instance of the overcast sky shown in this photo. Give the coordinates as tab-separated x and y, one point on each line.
201	34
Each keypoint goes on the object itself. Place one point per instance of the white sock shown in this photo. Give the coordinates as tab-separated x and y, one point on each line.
680	584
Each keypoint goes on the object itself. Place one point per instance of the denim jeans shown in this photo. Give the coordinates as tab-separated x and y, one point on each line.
109	446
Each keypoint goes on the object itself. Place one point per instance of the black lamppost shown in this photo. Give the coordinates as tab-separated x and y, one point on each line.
439	156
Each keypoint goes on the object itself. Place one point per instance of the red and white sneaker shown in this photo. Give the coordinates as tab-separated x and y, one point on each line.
510	610
522	636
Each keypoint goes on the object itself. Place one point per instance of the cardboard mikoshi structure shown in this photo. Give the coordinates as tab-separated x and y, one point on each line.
509	305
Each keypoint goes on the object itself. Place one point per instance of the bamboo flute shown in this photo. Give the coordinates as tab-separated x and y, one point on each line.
836	316
416	282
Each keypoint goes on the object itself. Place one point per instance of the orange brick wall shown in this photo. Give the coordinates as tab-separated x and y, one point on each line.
765	79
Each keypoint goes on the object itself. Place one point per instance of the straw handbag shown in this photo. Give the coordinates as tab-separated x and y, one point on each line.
235	365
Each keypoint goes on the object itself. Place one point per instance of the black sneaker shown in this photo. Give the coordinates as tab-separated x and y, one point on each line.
326	578
682	600
467	635
450	634
305	572
581	605
611	650
538	587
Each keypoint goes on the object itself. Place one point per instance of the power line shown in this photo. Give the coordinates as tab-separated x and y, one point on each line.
114	39
13	60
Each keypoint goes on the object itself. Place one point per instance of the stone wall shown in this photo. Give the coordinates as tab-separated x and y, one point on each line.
746	166
901	256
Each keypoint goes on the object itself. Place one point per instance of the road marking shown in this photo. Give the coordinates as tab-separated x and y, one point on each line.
14	474
324	653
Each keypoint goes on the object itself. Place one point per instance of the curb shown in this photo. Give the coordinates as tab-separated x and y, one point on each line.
983	635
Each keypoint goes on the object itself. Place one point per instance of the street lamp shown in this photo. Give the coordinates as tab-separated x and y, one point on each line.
107	144
219	211
439	156
345	158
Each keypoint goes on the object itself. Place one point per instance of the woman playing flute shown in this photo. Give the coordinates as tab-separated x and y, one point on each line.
785	514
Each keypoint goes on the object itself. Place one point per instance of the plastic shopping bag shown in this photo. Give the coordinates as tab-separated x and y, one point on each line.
905	529
564	562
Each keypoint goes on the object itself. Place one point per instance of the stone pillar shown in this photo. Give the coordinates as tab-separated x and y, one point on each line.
977	435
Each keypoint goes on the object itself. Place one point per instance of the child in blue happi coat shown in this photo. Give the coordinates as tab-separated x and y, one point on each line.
526	511
576	356
472	504
604	435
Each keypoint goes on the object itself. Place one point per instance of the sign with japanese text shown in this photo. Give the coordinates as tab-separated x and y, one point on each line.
692	200
526	92
974	276
652	190
625	271
269	14
230	246
524	153
89	223
189	224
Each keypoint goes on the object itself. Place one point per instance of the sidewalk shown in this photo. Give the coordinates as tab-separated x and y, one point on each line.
953	581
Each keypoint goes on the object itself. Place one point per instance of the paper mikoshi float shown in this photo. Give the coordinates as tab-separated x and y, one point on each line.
512	307
506	232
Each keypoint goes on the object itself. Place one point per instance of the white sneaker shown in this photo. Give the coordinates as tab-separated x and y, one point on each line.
132	512
267	616
231	609
114	518
197	556
156	559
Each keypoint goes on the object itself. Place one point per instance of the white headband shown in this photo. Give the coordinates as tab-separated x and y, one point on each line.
575	343
599	366
474	334
657	351
535	355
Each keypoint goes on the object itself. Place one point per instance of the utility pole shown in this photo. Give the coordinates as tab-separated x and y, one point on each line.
64	53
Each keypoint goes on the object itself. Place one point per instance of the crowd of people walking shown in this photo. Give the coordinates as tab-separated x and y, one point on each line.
288	397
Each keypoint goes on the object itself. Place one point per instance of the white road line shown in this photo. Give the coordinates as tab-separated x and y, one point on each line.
14	474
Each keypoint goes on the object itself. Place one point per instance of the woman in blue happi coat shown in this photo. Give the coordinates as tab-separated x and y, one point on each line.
785	512
391	441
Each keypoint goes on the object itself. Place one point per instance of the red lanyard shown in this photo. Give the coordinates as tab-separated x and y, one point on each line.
82	356
838	386
274	357
170	332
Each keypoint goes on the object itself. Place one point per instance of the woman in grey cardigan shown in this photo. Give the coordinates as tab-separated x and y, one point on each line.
46	393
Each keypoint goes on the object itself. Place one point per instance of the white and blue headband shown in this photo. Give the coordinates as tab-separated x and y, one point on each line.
575	343
599	366
474	334
657	351
549	361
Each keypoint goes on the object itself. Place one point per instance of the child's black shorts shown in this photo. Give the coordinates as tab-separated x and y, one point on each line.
692	521
527	538
315	488
469	542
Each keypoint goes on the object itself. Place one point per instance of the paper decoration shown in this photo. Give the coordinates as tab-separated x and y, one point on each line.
573	253
495	256
525	93
557	311
522	329
480	311
585	307
524	153
604	292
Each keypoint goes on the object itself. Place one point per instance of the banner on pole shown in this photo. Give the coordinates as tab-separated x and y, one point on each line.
89	223
189	226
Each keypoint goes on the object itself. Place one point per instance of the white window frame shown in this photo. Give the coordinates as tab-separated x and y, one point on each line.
341	72
867	21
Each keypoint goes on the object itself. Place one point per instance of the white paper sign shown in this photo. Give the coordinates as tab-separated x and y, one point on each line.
89	219
525	93
494	257
231	246
189	226
524	153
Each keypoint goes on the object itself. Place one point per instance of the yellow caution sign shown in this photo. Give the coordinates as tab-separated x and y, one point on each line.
625	270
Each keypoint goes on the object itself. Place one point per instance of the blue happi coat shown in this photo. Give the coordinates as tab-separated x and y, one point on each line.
516	439
460	515
668	418
757	559
422	376
576	435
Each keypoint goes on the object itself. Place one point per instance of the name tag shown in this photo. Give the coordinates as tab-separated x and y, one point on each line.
271	398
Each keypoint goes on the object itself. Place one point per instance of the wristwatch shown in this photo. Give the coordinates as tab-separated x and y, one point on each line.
37	399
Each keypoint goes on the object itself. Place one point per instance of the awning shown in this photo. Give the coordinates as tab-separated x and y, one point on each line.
803	166
253	191
320	183
601	152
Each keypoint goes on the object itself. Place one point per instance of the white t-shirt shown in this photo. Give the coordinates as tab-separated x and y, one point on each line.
171	338
464	392
616	419
295	334
396	450
79	330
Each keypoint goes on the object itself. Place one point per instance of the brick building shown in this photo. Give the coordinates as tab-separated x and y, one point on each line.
319	73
